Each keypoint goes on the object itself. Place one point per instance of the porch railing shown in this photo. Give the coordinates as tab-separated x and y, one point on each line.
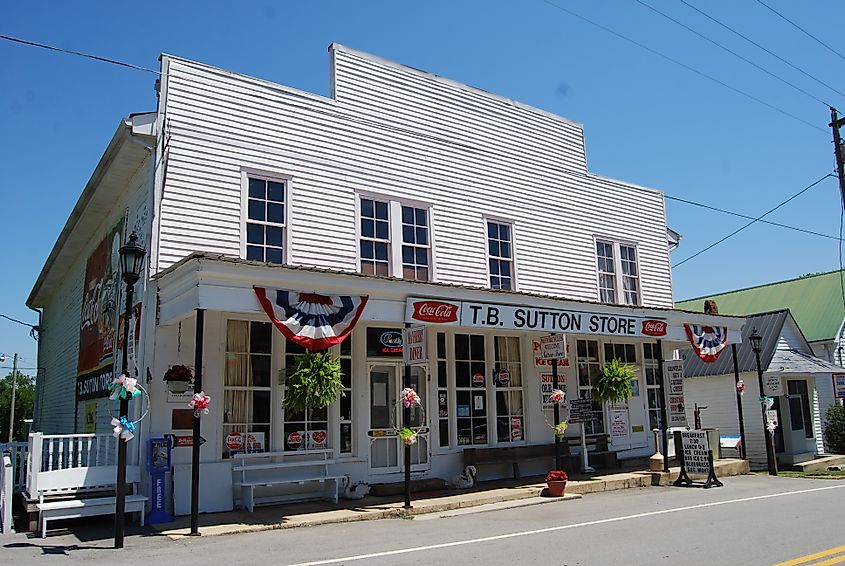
6	494
18	453
66	451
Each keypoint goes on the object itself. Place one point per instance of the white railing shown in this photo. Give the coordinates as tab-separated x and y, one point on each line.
6	494
66	451
18	452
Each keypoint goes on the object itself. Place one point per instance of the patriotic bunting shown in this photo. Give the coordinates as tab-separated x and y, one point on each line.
313	321
707	341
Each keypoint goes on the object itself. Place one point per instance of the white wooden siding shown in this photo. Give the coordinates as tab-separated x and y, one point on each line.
406	134
791	339
59	348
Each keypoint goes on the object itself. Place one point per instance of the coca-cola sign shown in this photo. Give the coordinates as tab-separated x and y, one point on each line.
435	312
654	328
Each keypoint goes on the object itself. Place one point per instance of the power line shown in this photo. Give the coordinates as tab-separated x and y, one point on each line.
685	66
805	32
738	230
79	54
732	52
732	213
16	320
752	42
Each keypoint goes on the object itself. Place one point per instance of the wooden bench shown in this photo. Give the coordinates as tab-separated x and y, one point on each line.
72	485
513	455
268	469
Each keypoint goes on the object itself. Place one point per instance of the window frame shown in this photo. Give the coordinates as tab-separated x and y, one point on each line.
486	220
618	276
287	180
396	242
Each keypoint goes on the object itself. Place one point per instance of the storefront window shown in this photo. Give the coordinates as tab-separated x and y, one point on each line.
652	383
588	366
442	390
470	390
247	387
304	430
507	378
346	397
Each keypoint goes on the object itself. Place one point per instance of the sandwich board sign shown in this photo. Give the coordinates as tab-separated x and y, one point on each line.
696	458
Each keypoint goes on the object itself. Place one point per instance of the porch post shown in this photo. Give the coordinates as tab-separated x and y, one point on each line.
406	422
663	418
195	448
556	415
739	405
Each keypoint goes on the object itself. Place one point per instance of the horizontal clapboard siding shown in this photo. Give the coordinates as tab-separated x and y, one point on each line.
401	134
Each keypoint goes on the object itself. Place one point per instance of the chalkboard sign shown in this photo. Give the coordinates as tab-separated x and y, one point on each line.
581	411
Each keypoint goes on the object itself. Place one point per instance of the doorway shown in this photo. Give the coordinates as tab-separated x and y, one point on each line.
386	448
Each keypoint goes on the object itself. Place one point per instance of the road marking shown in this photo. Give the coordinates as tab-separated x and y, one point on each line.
560	527
816	556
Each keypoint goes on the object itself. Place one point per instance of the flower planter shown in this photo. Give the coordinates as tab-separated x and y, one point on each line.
556	488
177	386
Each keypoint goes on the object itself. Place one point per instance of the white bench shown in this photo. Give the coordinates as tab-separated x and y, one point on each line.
79	481
268	469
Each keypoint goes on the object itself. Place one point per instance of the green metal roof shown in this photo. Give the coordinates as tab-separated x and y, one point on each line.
815	302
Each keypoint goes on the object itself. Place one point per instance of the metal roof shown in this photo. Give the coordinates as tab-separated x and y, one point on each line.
815	302
792	361
769	326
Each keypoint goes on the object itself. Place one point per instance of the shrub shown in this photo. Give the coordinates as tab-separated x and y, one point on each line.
834	432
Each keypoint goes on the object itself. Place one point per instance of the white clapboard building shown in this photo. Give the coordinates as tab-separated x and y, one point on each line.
444	205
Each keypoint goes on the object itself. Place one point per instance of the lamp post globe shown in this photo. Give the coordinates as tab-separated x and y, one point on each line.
131	262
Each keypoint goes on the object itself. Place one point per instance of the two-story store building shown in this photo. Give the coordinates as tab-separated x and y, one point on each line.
442	204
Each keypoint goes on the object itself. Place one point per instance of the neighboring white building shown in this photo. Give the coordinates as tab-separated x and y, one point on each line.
402	186
787	360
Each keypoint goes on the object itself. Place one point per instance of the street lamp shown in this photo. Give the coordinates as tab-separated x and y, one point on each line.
756	345
131	261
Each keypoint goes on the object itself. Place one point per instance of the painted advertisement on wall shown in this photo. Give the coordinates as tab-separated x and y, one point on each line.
99	318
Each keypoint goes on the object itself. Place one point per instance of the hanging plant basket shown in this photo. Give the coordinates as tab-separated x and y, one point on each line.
313	381
178	378
613	383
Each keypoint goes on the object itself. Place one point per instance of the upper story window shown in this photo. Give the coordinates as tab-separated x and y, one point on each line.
395	239
500	252
265	219
618	273
375	237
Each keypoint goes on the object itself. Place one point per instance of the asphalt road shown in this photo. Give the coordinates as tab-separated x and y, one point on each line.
752	520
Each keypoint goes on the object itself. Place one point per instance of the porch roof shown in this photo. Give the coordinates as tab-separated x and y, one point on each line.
224	283
793	361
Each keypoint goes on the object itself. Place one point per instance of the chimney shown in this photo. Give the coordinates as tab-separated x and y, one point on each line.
710	307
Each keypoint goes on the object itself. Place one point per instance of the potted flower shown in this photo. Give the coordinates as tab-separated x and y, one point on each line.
178	378
556	482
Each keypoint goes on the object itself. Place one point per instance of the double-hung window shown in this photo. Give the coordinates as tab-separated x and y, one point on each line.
618	273
394	239
500	255
265	219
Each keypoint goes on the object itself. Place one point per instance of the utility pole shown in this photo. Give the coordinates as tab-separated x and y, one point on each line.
835	123
14	387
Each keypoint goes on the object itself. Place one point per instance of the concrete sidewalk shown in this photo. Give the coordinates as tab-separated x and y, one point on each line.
486	496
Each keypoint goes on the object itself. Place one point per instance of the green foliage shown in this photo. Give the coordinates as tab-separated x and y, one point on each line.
834	432
613	382
313	381
24	403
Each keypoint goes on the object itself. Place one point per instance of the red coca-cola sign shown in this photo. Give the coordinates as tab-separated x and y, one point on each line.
435	312
654	328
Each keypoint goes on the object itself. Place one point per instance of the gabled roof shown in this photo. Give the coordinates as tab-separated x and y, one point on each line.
815	302
792	361
769	326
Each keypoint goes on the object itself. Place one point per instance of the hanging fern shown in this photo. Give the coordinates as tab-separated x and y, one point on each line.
613	383
313	381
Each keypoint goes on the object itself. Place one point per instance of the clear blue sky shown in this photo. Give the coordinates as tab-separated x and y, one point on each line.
647	121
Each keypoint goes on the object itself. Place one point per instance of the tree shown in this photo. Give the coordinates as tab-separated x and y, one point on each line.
24	404
834	431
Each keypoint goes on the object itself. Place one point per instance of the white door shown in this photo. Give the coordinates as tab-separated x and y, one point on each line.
798	425
386	448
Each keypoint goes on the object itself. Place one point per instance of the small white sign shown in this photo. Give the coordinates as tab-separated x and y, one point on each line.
546	388
839	385
696	451
619	424
772	385
772	417
673	373
553	346
414	350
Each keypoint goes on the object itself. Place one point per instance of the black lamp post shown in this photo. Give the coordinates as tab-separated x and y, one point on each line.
131	261
756	343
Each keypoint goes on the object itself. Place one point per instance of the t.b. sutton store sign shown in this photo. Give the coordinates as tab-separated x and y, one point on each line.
482	315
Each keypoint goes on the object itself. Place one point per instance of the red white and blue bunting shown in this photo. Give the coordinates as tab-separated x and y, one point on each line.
313	321
707	341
